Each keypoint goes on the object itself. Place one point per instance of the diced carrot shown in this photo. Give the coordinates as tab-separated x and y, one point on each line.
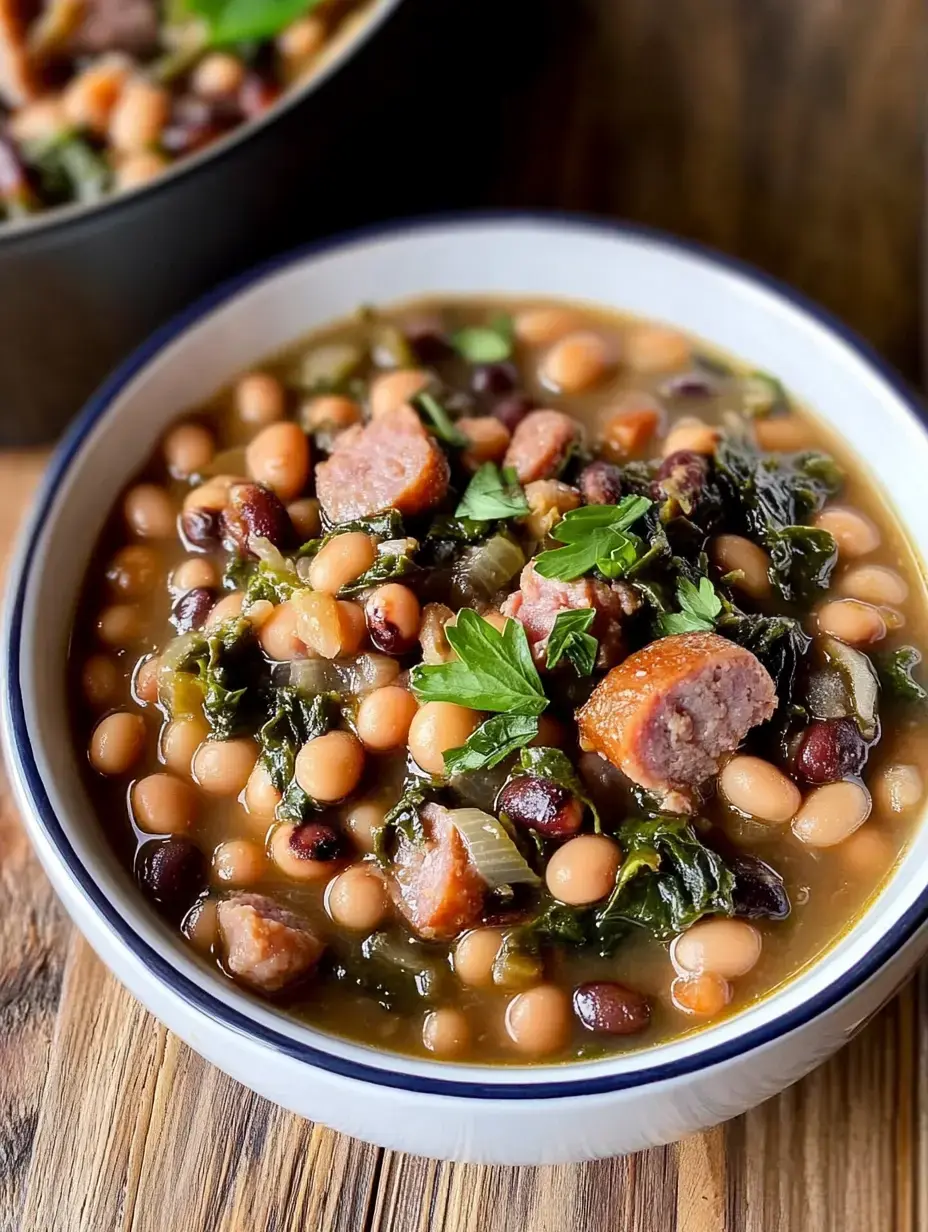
626	433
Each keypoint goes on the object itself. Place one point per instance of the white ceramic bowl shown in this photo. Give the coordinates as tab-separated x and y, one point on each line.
505	1115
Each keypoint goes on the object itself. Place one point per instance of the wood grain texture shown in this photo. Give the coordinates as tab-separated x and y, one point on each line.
790	132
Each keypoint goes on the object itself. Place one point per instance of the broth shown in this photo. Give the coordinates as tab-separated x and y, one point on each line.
382	992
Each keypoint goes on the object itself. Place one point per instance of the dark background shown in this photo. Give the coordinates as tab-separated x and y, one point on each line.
787	132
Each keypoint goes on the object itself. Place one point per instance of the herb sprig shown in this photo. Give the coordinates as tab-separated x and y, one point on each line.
700	608
569	639
595	537
493	494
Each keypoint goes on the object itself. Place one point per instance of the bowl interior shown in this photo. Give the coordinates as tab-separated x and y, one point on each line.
239	325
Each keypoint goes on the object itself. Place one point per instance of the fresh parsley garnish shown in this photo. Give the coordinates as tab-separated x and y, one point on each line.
493	671
492	494
596	538
569	639
700	608
491	743
442	423
485	344
245	21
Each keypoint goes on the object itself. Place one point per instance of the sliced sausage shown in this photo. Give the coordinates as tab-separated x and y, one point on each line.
667	714
538	601
392	463
541	444
438	889
265	945
115	25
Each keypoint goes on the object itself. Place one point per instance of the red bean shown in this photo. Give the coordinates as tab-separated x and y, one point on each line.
255	512
192	608
501	378
831	749
611	1008
541	804
512	410
172	872
200	528
759	892
681	478
601	483
314	841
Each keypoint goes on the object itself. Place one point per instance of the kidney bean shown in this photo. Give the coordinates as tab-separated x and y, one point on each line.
830	749
681	478
195	122
172	872
541	804
255	512
256	94
512	410
315	841
499	378
192	608
428	340
611	1008
759	891
689	385
601	483
200	528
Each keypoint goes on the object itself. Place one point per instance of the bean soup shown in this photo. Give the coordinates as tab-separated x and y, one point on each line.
504	682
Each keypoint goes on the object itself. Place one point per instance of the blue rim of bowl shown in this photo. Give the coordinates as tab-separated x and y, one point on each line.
201	999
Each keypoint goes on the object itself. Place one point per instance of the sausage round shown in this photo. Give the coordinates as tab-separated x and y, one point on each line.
392	463
266	945
540	444
668	713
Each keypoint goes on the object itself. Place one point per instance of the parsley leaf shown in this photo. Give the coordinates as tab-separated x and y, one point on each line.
493	671
442	423
492	494
595	538
701	608
245	21
485	344
491	743
569	639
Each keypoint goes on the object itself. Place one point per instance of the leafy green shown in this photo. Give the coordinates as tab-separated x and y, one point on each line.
296	719
403	819
776	494
762	394
441	422
492	742
896	668
457	530
595	538
668	880
548	763
485	344
384	526
558	922
218	664
243	21
259	580
493	671
493	494
700	608
387	567
569	639
67	168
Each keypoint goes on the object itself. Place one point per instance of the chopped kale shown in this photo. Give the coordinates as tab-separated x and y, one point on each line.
896	671
296	718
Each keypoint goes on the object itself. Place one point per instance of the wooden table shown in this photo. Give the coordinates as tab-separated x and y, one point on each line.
787	131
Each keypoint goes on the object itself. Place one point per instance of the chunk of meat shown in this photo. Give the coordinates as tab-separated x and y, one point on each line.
541	444
18	83
669	712
266	945
538	601
438	889
113	25
392	463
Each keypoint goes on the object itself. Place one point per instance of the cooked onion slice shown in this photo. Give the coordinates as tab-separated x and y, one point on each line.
492	852
861	681
355	677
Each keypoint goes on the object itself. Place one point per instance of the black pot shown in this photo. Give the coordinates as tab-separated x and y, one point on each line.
82	286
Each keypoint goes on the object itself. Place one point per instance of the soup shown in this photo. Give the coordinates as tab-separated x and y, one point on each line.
103	95
503	682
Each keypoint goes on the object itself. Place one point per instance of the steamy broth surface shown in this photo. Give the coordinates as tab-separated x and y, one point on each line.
595	889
